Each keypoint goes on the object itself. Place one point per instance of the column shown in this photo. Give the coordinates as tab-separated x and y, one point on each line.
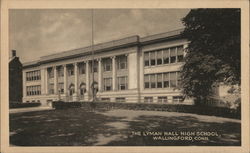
75	96
55	80
100	75
87	81
65	79
114	73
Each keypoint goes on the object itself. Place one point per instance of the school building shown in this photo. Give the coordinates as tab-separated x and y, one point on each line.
133	69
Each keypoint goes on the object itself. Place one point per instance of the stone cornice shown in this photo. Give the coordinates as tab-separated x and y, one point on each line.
108	46
176	34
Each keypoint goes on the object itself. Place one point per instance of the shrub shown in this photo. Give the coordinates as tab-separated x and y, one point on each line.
202	110
65	105
22	105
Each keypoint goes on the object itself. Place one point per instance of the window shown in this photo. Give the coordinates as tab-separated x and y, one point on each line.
27	76
105	99
71	89
152	58
178	99
82	68
122	83
50	73
30	91
120	99
122	62
95	68
82	91
166	56
159	80
33	75
61	87
173	80
39	90
146	81
162	99
82	88
152	81
107	84
33	90
70	70
173	55
107	64
39	75
60	71
36	90
180	54
178	76
51	88
146	59
27	91
159	57
148	99
162	80
165	80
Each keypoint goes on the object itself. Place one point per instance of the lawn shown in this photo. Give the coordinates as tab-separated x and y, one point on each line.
81	127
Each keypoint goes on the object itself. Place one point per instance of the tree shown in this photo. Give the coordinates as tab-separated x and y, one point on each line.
213	54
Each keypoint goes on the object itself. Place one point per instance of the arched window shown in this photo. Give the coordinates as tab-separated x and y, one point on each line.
71	89
82	88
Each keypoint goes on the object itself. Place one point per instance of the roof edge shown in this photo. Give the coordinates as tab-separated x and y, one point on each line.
115	44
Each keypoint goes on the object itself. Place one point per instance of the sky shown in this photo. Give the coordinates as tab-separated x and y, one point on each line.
38	32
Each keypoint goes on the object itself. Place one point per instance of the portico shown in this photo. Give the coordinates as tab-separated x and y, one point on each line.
77	79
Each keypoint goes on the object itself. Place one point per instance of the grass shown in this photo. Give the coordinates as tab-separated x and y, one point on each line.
81	127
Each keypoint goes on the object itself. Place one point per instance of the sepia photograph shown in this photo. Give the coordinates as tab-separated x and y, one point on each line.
124	77
110	77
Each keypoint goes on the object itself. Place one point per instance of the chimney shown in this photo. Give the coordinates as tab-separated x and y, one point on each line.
13	53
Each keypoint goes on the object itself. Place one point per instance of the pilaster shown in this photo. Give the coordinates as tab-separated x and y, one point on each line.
113	73
75	96
65	83
87	82
100	75
55	80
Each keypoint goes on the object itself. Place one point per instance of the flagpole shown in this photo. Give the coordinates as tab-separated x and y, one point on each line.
92	49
